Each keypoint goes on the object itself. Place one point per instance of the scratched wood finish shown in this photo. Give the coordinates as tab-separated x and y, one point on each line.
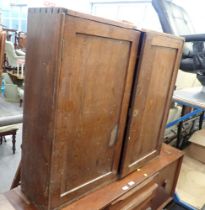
79	73
157	69
160	171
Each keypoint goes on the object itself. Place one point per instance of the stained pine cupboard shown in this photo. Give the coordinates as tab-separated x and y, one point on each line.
91	89
78	83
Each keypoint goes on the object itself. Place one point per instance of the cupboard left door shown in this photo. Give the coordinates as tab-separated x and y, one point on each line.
98	61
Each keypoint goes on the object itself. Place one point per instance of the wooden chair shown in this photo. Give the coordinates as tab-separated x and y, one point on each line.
9	130
12	92
14	60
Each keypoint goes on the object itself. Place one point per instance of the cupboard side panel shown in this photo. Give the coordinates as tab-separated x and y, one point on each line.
44	29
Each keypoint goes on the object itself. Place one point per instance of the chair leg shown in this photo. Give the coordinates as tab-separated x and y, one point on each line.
0	139
4	138
14	143
21	102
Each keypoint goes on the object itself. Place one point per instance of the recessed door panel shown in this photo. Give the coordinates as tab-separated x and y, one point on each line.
154	86
93	96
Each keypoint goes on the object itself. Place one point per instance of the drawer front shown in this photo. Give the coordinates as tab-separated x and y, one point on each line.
153	194
140	199
166	180
168	176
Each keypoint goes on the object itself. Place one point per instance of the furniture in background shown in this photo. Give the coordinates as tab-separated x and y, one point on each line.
101	99
9	130
14	60
175	20
190	97
17	79
21	96
10	33
12	92
2	50
21	41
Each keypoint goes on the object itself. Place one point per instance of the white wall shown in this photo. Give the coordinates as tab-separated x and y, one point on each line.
142	16
196	11
140	13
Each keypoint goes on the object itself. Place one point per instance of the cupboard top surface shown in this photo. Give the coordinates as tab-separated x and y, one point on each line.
65	11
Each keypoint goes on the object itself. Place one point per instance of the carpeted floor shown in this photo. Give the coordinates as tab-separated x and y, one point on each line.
9	161
9	109
191	183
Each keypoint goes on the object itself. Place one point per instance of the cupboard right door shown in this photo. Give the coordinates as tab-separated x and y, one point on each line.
152	92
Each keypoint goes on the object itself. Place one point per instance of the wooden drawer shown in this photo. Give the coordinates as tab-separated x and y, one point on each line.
151	196
135	199
167	178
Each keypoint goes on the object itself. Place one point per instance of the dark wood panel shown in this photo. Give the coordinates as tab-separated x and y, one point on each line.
154	86
89	107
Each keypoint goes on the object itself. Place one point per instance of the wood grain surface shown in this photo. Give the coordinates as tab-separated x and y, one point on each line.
156	74
78	84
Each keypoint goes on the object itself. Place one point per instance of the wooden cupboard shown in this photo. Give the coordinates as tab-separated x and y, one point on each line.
151	97
92	92
78	83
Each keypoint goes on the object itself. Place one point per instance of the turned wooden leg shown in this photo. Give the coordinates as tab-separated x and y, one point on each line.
21	102
14	143
4	138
